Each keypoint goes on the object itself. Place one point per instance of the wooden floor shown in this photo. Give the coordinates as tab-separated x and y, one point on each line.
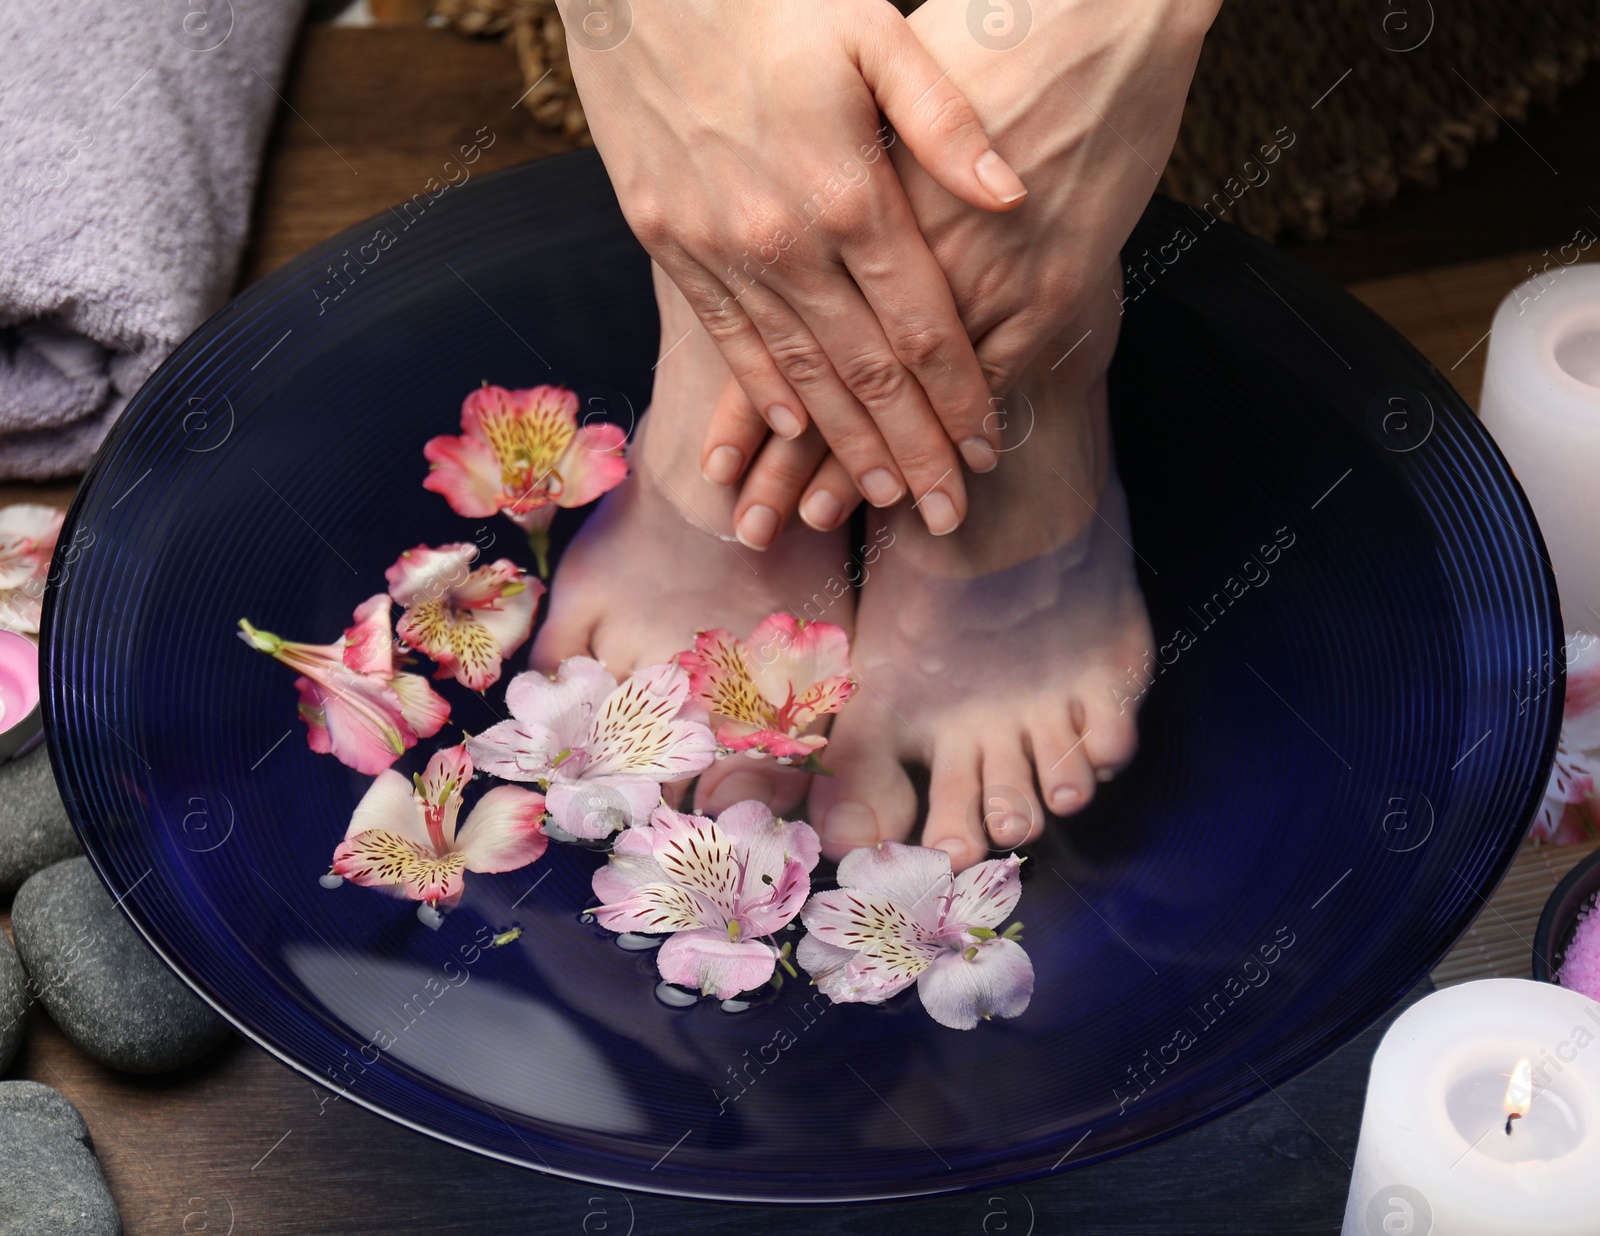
242	1144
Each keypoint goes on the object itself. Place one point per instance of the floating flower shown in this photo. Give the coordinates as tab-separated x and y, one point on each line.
354	702
718	886
1569	813
27	539
524	453
764	693
602	751
402	837
899	916
467	620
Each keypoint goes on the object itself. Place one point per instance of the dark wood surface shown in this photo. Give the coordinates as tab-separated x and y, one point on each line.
242	1143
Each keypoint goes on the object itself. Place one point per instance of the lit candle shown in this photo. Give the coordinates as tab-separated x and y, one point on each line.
19	692
1483	1117
1541	401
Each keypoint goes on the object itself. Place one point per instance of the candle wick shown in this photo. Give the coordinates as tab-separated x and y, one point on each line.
1509	1119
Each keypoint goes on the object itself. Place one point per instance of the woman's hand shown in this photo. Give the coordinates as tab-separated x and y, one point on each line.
745	145
1086	105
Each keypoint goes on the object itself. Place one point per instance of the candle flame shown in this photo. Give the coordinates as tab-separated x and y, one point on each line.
1519	1094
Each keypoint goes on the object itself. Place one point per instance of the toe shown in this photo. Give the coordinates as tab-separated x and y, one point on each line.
1066	777
1012	816
566	633
953	800
868	798
1110	739
738	778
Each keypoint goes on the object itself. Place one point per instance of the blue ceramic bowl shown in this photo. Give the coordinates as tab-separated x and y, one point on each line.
1334	773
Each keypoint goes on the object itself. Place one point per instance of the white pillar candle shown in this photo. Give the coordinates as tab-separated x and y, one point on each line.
1541	401
1435	1158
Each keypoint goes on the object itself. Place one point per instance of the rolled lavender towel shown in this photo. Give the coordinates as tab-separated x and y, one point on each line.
130	140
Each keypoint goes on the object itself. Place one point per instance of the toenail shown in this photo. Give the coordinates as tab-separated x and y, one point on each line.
1064	799
821	510
1009	831
880	488
722	465
938	512
980	456
741	787
954	847
851	824
757	527
784	422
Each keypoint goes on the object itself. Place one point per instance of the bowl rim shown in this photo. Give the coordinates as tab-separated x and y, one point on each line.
1577	887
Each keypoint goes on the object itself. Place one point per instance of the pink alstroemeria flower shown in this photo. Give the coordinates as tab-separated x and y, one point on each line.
467	620
717	886
27	539
402	837
354	702
1570	813
602	751
523	452
899	916
763	693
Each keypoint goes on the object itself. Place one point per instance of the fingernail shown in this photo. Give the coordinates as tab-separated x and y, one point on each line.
757	527
722	465
980	456
821	510
784	422
995	174
739	787
851	824
1064	799
938	512
880	487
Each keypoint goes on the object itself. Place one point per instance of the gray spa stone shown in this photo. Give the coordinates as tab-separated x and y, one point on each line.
34	831
51	1183
99	980
13	1002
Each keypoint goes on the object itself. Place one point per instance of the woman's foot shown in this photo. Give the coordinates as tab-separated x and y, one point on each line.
658	561
1006	657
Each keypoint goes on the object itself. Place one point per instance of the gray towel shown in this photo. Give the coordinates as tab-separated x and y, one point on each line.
130	139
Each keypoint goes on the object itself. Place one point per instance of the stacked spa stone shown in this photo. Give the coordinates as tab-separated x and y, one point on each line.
91	971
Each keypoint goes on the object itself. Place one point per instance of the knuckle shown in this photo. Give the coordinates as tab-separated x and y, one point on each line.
874	378
650	223
800	360
923	349
950	117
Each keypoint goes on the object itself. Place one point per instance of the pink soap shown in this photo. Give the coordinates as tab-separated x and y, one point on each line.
1580	969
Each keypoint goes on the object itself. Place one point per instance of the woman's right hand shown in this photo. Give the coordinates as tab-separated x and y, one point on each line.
745	145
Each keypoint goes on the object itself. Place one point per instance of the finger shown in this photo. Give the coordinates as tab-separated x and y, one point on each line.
911	297
734	436
773	487
829	497
740	343
806	365
855	343
935	120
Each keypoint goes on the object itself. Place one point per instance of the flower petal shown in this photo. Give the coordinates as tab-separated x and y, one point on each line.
915	878
356	718
426	574
592	464
788	656
382	859
632	865
853	919
594	808
1580	724
653	909
887	968
504	831
389	806
763	843
465	471
422	708
996	982
368	641
766	908
693	851
565	705
714	965
826	964
720	677
638	732
985	895
513	751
